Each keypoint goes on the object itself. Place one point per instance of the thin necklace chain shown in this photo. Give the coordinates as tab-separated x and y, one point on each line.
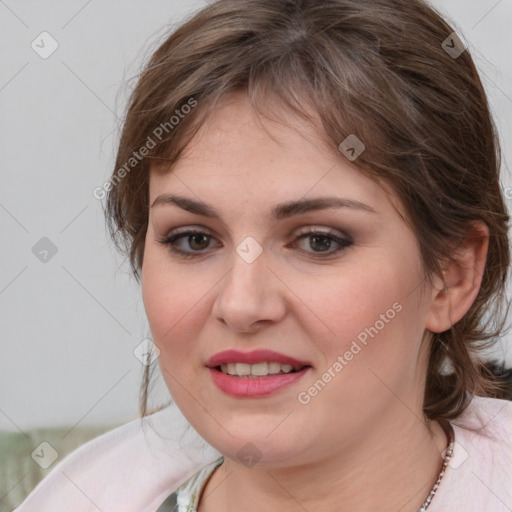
447	457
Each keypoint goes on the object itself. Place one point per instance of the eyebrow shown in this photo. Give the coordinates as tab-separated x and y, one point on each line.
278	212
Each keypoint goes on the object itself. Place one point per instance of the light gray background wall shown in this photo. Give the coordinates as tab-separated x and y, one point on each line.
69	325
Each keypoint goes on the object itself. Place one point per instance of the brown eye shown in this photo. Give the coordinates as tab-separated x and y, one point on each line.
188	244
319	242
198	241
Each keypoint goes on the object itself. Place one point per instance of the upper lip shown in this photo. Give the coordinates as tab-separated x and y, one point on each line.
256	356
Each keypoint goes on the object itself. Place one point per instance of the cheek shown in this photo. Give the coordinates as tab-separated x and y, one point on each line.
369	314
172	308
171	302
369	358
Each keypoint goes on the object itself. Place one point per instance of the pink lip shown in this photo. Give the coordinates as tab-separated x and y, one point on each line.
256	356
243	387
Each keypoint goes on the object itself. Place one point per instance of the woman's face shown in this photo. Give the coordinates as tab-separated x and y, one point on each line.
345	301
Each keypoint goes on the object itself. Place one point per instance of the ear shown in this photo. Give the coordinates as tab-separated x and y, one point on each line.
453	295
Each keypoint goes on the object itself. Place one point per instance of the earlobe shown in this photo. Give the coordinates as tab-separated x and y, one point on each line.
453	295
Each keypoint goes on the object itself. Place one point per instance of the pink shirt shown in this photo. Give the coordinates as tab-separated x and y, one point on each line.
135	467
479	475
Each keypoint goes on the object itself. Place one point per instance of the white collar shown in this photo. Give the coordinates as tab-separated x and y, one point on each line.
132	468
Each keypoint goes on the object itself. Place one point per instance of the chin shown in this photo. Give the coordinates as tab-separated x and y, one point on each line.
260	447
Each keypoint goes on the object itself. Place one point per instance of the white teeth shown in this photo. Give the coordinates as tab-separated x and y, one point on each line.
255	370
274	368
243	369
260	369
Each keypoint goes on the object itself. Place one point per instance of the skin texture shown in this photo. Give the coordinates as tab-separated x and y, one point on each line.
362	442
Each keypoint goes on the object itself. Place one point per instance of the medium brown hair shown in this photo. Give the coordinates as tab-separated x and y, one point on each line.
377	69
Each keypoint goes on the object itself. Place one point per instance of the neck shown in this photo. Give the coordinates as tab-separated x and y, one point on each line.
393	469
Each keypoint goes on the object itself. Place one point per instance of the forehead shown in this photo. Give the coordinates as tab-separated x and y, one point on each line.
238	153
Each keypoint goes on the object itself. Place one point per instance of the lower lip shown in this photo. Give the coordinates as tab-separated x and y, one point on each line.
254	387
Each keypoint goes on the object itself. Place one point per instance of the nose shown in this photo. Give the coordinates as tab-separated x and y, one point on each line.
250	295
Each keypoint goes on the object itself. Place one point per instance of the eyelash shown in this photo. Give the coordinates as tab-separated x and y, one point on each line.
170	240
